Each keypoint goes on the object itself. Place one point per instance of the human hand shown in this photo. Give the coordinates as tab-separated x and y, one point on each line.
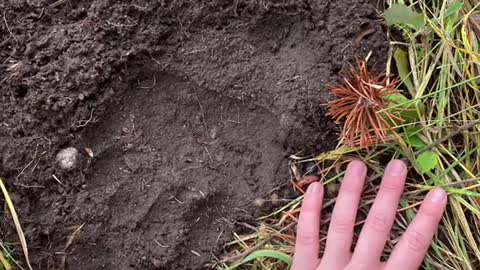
409	252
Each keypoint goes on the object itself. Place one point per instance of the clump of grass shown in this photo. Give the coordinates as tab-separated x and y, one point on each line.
439	66
4	262
360	103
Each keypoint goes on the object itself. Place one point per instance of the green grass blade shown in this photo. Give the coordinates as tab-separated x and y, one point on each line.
266	253
401	60
5	264
18	227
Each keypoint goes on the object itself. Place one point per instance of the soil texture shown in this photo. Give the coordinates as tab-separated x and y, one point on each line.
182	112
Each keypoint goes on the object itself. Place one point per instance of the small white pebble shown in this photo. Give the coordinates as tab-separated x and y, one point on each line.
68	158
259	202
275	199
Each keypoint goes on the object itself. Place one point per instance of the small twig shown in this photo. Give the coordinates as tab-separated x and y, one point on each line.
208	154
8	28
160	244
203	115
82	123
72	237
57	3
195	253
29	186
118	25
363	34
68	244
56	179
448	136
29	164
14	37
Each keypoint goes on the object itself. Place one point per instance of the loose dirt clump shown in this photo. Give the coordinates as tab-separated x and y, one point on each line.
183	113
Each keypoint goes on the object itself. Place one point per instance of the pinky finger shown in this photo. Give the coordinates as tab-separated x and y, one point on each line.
409	253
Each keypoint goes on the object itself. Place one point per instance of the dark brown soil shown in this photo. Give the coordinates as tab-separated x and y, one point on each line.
189	107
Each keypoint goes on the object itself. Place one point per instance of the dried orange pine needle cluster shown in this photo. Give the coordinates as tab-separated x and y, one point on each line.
360	105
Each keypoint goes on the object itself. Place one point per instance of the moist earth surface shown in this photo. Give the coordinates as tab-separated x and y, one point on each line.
182	112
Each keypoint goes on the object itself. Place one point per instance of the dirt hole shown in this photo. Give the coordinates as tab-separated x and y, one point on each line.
183	112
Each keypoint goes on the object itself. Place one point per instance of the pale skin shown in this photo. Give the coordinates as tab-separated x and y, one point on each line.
408	253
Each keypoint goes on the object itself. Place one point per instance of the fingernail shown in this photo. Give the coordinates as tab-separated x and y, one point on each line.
356	167
314	188
438	195
310	189
397	168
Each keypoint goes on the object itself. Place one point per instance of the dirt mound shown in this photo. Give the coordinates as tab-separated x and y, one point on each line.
188	107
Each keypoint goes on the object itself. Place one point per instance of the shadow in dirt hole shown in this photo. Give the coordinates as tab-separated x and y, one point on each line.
175	166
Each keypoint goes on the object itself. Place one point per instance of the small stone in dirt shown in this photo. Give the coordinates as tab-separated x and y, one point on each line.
89	152
214	133
157	263
132	163
68	158
259	202
275	47
275	199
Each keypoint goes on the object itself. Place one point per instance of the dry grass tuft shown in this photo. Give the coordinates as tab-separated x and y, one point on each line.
361	103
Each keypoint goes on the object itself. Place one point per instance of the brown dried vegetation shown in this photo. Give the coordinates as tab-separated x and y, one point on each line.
360	104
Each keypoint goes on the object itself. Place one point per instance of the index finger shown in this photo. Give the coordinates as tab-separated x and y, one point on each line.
308	229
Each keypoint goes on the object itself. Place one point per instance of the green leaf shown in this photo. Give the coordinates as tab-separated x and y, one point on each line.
264	254
426	161
415	141
462	192
452	15
269	254
403	67
412	138
401	14
454	8
397	99
403	107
